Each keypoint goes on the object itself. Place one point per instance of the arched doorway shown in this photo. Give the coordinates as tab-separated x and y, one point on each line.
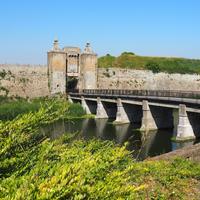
71	84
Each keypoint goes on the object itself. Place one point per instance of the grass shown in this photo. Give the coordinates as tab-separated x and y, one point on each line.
33	167
155	64
11	108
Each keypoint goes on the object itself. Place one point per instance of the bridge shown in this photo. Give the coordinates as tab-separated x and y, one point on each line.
153	109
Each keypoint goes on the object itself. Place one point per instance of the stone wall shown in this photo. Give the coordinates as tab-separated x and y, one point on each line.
115	78
24	80
32	80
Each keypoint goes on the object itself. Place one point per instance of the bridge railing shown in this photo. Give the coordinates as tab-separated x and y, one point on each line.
158	93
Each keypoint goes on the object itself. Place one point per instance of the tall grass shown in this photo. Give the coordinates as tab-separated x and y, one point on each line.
11	108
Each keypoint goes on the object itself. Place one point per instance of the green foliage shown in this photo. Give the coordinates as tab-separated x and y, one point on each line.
106	61
128	53
154	67
33	167
75	110
169	65
10	110
12	107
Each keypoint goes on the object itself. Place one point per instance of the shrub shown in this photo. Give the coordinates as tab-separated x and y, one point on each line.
33	167
154	67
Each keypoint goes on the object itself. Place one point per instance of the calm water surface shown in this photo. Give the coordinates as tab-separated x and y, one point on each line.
142	144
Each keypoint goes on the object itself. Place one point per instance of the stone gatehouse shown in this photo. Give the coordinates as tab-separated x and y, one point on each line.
70	68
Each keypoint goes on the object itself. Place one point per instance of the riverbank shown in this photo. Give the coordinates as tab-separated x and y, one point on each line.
34	167
190	153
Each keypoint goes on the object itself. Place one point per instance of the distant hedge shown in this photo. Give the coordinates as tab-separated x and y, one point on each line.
155	64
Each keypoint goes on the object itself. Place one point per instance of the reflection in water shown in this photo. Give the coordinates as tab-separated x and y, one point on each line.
180	145
142	144
122	132
147	140
100	127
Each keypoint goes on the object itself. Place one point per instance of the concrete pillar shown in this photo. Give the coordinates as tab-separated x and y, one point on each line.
148	122
101	112
184	130
69	99
121	116
85	106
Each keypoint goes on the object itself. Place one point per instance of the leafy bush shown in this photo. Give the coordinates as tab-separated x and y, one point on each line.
154	67
33	167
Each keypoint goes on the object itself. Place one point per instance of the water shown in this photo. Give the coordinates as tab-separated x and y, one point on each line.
142	144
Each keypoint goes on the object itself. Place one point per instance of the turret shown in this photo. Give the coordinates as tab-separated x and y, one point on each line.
56	45
57	69
88	73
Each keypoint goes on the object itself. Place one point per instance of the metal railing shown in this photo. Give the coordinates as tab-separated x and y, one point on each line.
157	93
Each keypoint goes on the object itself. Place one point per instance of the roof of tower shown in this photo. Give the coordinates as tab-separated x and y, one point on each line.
88	49
71	49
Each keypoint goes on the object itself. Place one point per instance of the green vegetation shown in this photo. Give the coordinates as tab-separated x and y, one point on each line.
34	167
12	107
154	67
155	64
9	110
106	61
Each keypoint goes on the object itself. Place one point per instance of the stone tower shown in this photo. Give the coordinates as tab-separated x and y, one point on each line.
69	69
88	72
57	69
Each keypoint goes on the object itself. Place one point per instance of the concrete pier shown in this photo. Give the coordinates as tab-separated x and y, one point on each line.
101	111
148	122
121	116
85	105
70	99
152	114
184	130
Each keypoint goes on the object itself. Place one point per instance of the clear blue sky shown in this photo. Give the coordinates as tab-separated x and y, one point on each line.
146	27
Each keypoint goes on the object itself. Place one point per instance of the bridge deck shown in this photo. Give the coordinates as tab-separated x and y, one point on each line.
133	102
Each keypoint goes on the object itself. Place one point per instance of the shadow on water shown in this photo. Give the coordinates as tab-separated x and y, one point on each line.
142	144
